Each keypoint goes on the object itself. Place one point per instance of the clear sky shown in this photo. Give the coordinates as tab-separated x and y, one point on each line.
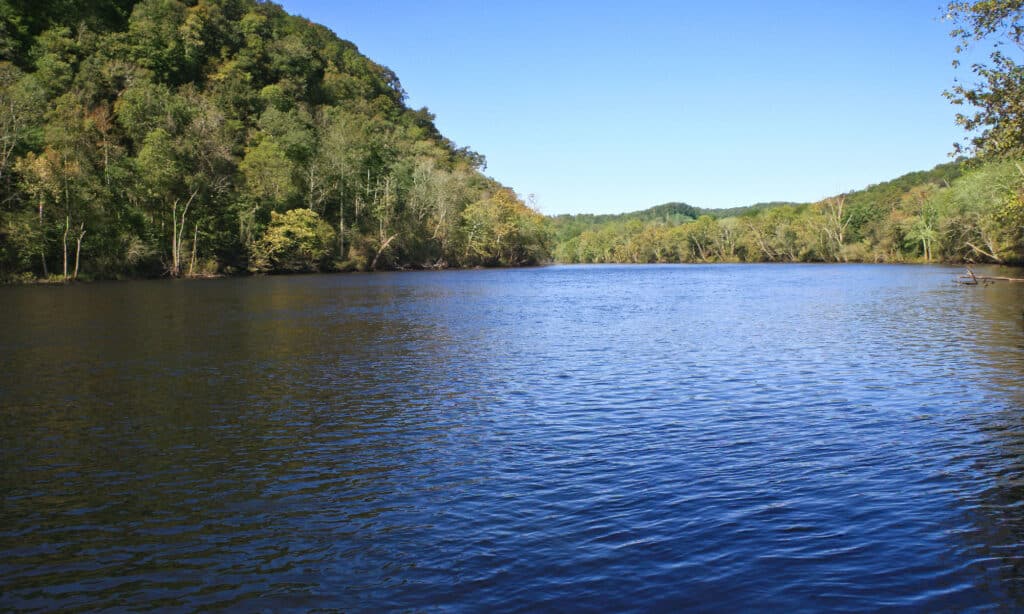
610	106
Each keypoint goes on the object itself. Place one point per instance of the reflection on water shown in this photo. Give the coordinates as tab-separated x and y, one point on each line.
625	438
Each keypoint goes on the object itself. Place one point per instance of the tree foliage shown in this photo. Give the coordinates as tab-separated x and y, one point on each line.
502	231
944	214
996	121
295	241
184	136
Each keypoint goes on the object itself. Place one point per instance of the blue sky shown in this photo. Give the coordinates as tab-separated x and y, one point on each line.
617	106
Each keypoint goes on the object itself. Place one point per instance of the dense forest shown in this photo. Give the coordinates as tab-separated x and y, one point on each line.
956	212
203	137
200	137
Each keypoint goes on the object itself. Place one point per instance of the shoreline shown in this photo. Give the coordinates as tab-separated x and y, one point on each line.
241	275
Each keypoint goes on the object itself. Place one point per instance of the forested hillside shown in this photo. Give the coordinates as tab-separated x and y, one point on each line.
203	137
956	212
181	138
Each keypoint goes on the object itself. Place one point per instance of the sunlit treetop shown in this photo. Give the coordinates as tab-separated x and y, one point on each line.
995	122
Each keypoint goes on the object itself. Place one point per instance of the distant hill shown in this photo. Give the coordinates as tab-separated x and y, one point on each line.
680	212
955	211
671	214
747	210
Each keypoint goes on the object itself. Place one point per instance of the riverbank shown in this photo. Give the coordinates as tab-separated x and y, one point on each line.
993	271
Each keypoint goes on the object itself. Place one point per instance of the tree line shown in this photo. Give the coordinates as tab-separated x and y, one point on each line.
957	212
204	137
200	137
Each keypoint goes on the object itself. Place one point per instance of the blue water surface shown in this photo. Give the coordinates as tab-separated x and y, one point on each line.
613	438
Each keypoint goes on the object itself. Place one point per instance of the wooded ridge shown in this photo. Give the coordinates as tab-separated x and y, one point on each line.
208	137
204	137
961	211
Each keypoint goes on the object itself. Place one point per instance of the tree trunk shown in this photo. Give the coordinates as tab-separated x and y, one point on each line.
341	223
67	227
174	238
835	225
380	250
700	251
178	232
988	254
192	263
78	248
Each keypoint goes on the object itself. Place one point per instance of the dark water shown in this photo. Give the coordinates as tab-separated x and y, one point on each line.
589	438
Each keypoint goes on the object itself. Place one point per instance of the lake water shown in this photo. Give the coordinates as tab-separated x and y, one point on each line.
565	438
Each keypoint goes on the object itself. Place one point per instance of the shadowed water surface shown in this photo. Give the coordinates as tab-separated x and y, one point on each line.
583	438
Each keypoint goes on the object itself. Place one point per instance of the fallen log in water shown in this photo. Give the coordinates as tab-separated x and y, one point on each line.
972	280
968	280
992	278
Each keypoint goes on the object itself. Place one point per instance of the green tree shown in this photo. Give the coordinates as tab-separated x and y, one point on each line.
162	181
20	100
997	118
270	175
295	241
502	231
702	236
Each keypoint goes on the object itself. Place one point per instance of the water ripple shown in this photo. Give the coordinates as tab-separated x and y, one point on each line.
585	438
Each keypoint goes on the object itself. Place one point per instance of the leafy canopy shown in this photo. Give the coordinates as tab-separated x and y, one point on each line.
996	117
